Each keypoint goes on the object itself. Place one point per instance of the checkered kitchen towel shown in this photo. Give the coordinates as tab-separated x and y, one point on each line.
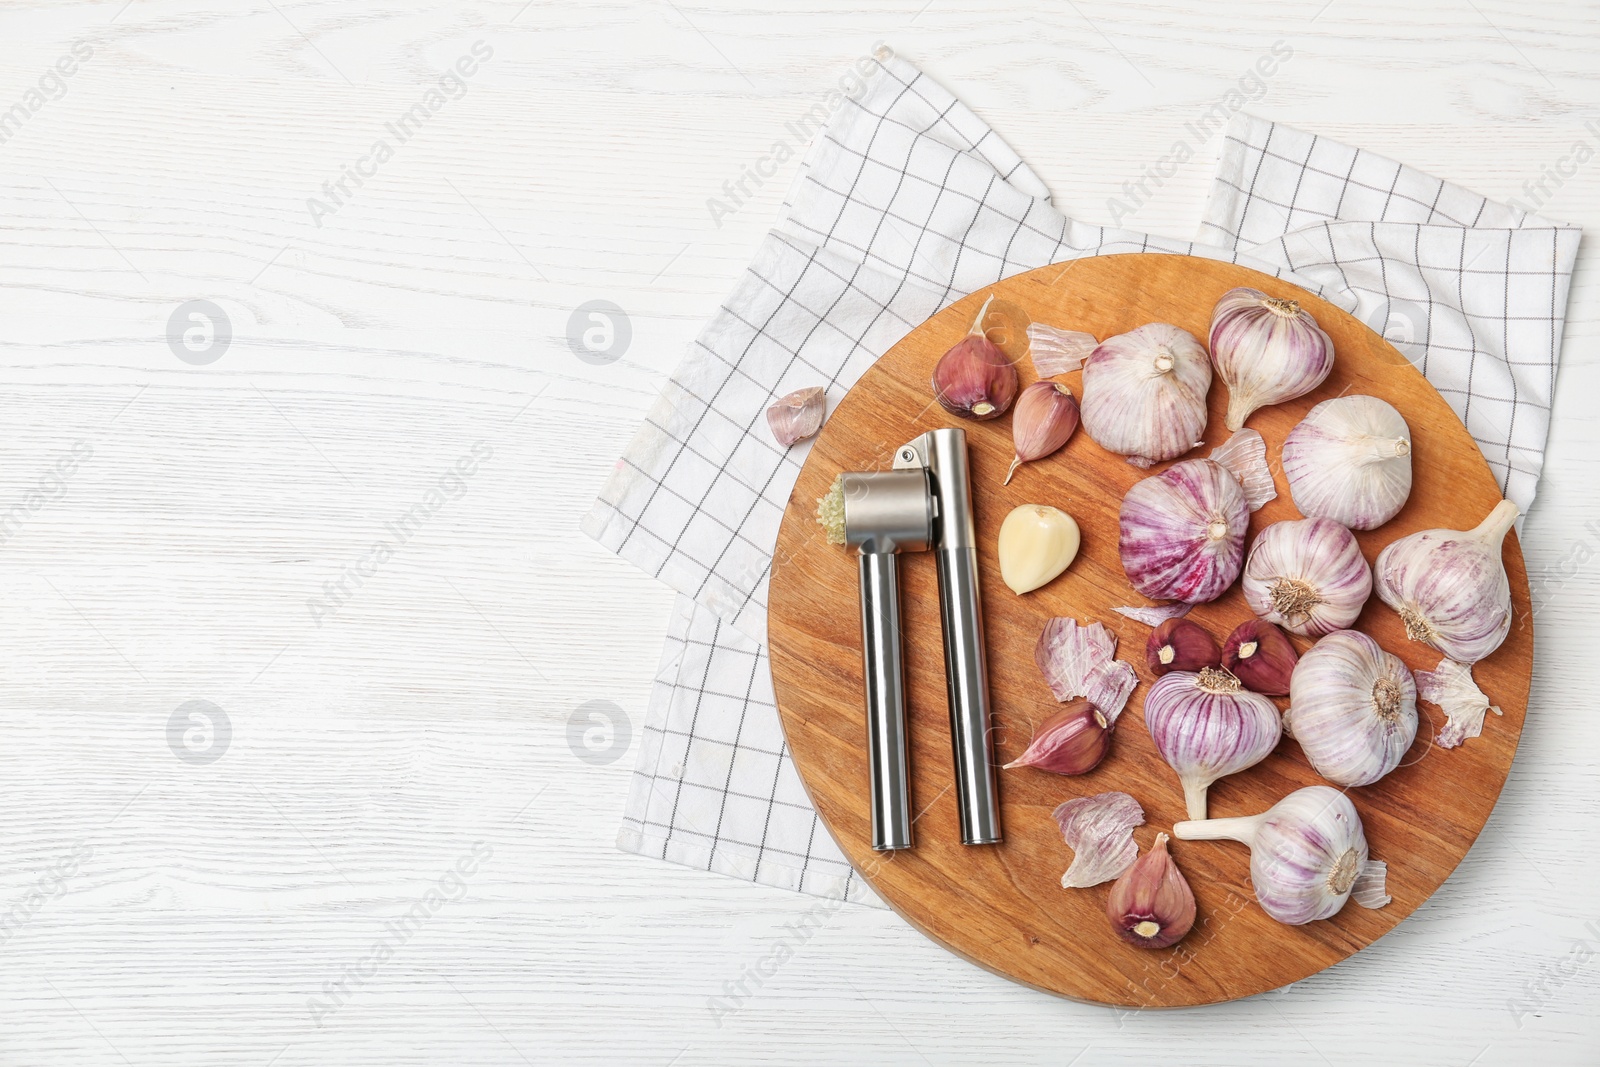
907	201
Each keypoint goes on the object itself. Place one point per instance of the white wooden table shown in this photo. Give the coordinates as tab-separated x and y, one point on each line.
392	854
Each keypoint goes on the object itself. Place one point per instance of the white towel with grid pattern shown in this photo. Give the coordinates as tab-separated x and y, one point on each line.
905	202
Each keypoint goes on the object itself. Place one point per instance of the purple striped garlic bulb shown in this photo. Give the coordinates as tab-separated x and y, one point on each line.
1267	350
1182	532
1450	586
1307	575
1349	460
1308	855
1353	708
1144	393
1207	726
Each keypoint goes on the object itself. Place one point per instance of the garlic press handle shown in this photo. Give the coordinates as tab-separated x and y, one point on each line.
888	774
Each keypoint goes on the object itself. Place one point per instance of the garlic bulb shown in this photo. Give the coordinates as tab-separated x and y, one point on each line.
1267	350
1349	460
1353	708
1308	854
1036	543
1151	905
1307	575
1207	726
1450	586
1144	393
1182	532
1099	830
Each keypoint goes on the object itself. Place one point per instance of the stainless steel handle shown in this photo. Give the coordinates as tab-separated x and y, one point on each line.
967	682
888	776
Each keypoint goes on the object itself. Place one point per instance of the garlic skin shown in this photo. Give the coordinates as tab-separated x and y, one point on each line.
1057	351
1072	741
1151	905
1099	830
1308	853
1450	586
1450	686
1266	351
1349	460
1307	575
1182	532
1207	726
1245	456
1156	615
1036	543
975	380
1079	661
1180	645
1144	393
1352	708
1045	416
798	415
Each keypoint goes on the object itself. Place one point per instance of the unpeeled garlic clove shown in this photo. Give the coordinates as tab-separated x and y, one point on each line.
975	380
1180	645
1260	655
1151	904
798	415
1072	741
1046	415
1036	543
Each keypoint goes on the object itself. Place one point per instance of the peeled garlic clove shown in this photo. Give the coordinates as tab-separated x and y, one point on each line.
1180	645
798	415
1349	460
1144	393
1266	350
1080	661
1182	532
975	380
1037	542
1450	686
1307	575
1099	830
1207	726
1046	415
1260	656
1056	351
1307	854
1450	586
1072	741
1151	905
1353	708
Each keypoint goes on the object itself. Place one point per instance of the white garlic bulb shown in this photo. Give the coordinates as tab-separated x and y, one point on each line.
1349	460
1450	586
1308	854
1352	707
1267	350
1307	575
1144	393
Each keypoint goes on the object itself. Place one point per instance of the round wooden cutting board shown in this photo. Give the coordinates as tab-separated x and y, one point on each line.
1002	906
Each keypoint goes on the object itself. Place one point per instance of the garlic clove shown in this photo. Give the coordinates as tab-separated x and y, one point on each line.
1207	726
1036	543
1307	575
1057	351
1180	645
1099	830
1260	656
1266	350
1072	741
1151	905
1144	393
1450	586
1450	686
1354	708
975	380
1181	532
1349	460
1045	417
798	415
1079	661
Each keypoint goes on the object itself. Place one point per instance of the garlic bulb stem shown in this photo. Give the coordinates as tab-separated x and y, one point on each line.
977	323
1493	529
1240	828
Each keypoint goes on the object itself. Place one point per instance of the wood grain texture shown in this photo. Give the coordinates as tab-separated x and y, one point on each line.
1003	907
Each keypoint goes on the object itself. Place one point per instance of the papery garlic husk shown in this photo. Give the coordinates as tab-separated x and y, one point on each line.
1180	645
1036	543
1450	686
1156	615
1266	350
1245	457
1045	417
798	415
1349	460
1151	905
1080	661
1099	830
1207	726
1072	741
1056	351
1308	854
1182	532
1259	655
1450	586
1144	393
1307	575
1352	708
975	380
